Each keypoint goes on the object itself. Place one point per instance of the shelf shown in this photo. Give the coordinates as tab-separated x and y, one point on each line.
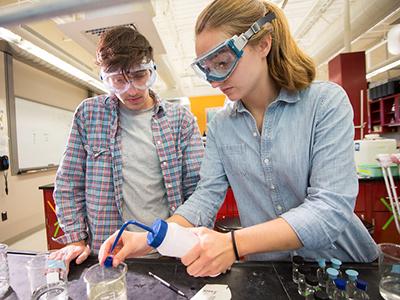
392	124
389	113
375	111
384	98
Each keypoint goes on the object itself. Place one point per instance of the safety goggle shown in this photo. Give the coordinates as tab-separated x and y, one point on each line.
141	78
220	62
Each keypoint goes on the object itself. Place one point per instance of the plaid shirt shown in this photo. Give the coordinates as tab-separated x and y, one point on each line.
88	188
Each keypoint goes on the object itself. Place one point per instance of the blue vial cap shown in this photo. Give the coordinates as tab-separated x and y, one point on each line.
395	269
321	262
362	285
336	263
352	274
160	228
340	284
332	273
108	262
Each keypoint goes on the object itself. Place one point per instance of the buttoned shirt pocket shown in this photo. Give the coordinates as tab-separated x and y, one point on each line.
234	158
98	169
95	152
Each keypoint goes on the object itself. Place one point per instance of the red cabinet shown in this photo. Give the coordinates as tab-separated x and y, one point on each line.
384	114
53	229
370	207
348	70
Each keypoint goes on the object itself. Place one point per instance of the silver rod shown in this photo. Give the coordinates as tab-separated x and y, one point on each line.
50	8
347	27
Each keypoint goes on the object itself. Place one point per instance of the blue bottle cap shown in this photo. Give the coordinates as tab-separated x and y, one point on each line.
362	285
332	273
321	262
160	228
395	269
352	274
108	262
336	263
340	284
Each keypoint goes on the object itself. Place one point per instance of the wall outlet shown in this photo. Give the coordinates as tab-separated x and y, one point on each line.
4	216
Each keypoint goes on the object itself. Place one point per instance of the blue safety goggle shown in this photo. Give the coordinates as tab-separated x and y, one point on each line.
220	62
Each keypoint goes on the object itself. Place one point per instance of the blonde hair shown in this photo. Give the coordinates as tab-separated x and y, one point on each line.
288	65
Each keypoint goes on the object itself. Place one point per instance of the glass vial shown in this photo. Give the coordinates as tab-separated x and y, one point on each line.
297	261
351	282
340	292
330	283
321	295
301	284
4	274
336	263
321	272
311	286
361	291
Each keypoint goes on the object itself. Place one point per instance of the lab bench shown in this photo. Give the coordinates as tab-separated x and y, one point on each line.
246	280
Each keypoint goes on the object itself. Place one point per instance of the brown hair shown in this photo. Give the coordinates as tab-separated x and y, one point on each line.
122	48
288	65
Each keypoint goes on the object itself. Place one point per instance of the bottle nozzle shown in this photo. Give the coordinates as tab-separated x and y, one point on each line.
108	262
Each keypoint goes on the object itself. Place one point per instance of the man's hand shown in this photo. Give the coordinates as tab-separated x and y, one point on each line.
131	244
78	251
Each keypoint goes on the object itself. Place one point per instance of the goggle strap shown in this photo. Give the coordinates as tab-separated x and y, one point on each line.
256	27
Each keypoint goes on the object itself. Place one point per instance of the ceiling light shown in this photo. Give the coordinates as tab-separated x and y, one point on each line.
383	69
50	58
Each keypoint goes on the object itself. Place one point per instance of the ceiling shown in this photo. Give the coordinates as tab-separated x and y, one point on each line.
317	25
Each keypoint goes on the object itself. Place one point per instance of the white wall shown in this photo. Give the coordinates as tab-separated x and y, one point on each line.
24	202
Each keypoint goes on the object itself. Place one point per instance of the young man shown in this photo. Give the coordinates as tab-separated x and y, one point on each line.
129	154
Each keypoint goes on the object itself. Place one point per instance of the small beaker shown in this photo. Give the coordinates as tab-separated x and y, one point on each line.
47	276
106	283
389	271
4	274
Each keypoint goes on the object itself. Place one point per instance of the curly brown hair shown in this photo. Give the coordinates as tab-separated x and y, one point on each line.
122	48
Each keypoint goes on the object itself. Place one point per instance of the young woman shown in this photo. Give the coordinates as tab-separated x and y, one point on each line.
285	147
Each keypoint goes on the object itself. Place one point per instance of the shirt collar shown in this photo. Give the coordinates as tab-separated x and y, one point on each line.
284	96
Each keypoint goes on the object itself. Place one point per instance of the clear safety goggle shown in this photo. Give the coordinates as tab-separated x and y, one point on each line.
141	78
220	62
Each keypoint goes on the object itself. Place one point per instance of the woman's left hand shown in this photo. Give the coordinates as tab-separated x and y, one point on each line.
212	255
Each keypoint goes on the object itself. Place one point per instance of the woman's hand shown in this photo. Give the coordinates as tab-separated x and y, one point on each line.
131	244
214	253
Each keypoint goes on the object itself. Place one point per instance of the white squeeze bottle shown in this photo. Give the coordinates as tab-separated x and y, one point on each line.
171	239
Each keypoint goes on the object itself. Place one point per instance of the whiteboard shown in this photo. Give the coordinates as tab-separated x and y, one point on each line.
41	133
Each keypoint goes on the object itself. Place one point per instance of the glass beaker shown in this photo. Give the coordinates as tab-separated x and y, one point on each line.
4	274
106	283
47	277
389	271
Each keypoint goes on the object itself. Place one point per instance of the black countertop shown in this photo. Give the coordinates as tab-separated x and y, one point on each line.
246	280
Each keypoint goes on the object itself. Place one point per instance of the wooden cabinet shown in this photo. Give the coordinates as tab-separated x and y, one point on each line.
53	229
384	114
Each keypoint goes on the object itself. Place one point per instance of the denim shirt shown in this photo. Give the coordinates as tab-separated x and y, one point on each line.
300	168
